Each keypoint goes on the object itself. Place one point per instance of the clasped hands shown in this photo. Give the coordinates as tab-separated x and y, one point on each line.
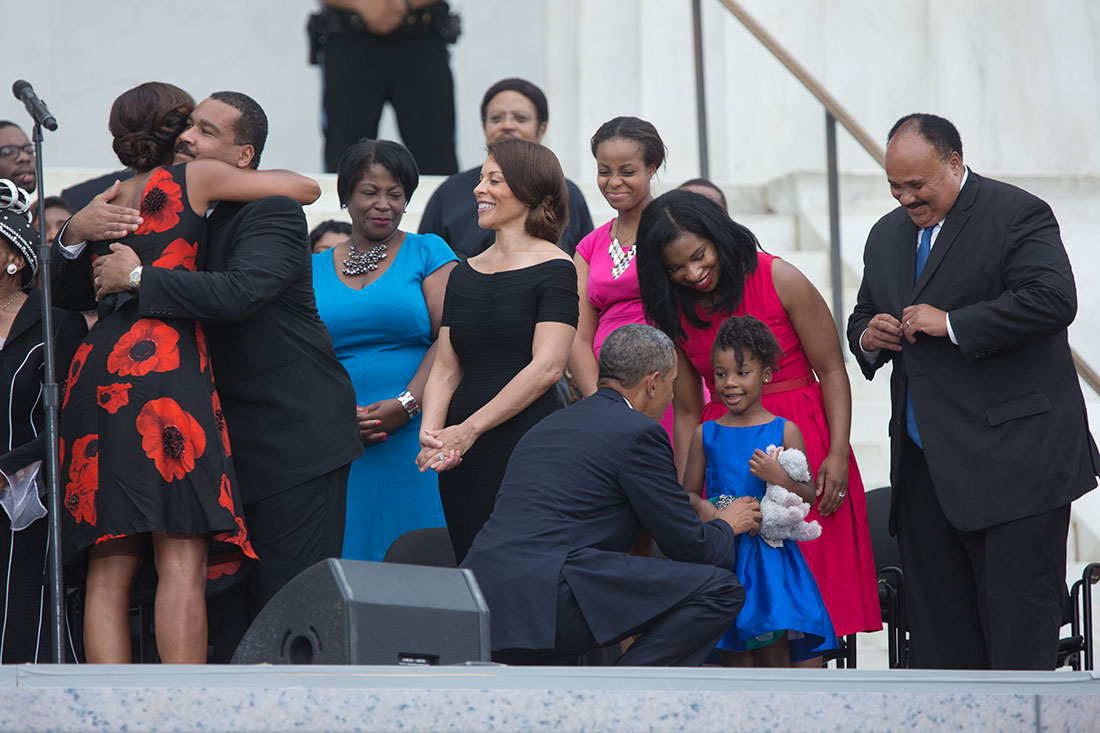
382	17
886	332
442	450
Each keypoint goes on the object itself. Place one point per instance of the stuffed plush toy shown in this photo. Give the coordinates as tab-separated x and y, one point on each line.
784	512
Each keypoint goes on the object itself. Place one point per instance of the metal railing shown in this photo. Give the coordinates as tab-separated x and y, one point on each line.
834	113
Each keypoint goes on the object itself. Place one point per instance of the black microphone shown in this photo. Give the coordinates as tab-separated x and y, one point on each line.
36	108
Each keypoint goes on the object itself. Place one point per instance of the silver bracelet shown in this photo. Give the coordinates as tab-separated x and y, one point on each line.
409	403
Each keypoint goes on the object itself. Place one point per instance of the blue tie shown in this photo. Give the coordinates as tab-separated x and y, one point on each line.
910	416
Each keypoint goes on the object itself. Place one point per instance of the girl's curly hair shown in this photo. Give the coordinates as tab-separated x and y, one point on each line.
748	333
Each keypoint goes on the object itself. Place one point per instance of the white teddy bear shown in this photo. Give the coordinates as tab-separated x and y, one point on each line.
783	512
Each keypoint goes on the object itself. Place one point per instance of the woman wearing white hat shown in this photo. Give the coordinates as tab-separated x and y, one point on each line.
23	528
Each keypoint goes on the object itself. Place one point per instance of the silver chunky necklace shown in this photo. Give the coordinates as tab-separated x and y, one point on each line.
359	262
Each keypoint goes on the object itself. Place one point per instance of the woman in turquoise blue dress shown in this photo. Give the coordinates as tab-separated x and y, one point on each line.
381	296
784	619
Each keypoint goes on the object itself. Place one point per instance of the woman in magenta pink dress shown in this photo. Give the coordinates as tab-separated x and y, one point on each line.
628	152
696	267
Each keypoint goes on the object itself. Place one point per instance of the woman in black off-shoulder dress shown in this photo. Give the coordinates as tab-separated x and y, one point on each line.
509	318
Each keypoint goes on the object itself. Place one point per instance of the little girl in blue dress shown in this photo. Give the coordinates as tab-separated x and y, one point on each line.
784	619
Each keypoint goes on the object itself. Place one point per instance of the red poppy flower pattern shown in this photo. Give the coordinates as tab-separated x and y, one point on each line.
238	537
113	396
83	479
178	254
171	437
200	344
219	418
106	537
75	366
161	204
149	346
219	565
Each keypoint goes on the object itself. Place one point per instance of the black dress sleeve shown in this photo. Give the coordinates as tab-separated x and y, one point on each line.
457	274
557	294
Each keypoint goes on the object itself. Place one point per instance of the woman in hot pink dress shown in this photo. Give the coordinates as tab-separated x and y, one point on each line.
628	152
697	267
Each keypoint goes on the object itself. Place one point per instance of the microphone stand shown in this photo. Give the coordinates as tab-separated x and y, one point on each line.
51	403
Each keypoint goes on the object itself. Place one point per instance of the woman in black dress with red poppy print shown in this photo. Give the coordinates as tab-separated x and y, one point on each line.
144	448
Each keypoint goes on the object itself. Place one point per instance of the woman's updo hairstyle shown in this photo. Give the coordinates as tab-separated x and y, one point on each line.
534	175
145	122
636	130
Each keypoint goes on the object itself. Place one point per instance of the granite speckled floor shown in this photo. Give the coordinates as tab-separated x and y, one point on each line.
487	698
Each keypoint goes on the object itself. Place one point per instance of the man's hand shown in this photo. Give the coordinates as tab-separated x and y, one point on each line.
101	220
743	515
111	273
883	332
923	318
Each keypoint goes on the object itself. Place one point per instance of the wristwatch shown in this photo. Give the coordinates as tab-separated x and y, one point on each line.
409	403
135	278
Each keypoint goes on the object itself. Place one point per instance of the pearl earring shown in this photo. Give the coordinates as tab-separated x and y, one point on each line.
11	269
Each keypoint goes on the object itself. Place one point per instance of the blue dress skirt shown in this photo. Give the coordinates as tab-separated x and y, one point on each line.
780	591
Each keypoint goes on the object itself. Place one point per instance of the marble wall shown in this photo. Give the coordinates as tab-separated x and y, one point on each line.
1021	78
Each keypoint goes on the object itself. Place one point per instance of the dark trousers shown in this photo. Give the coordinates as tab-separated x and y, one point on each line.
290	531
25	608
988	599
362	72
682	636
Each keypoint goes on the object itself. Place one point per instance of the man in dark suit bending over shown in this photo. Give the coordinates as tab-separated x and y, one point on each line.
967	289
289	405
552	560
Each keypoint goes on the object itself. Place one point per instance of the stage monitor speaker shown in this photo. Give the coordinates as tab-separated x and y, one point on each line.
355	612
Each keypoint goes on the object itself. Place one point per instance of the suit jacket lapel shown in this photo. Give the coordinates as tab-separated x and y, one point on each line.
952	225
221	214
222	211
907	235
29	315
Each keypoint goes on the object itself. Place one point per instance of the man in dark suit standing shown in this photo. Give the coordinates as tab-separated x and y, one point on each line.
553	562
967	289
289	405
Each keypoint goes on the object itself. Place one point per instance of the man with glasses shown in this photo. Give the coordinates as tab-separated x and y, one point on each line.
510	108
16	156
